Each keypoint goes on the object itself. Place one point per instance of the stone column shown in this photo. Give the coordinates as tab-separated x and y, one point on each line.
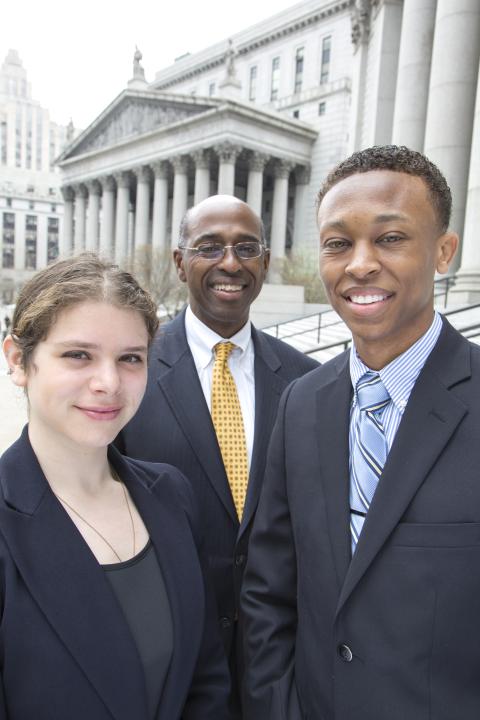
279	217
414	61
180	194
202	175
160	205
453	79
142	206
66	245
227	153
107	227
467	286
256	166
93	215
303	206
360	24
121	217
42	242
80	217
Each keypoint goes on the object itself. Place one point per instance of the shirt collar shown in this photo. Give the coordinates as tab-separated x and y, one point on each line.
400	375
204	338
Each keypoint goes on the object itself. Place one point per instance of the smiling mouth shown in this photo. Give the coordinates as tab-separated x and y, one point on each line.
100	413
227	287
367	299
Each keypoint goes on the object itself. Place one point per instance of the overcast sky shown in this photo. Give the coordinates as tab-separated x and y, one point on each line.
78	55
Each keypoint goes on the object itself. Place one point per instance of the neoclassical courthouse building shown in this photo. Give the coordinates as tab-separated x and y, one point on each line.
266	113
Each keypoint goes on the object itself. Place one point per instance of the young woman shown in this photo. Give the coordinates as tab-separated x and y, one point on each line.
103	606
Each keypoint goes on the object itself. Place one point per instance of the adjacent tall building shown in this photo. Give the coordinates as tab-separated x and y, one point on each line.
265	114
31	205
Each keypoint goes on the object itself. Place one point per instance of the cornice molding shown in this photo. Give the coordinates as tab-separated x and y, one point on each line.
261	40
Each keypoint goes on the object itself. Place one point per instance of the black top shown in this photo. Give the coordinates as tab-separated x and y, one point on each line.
140	590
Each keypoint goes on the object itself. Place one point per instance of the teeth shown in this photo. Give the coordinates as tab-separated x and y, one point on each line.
228	288
367	299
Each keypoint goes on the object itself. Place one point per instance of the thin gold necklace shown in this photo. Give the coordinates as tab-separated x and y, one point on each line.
98	531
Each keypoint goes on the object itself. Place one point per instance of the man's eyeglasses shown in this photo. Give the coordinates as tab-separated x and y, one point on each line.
216	251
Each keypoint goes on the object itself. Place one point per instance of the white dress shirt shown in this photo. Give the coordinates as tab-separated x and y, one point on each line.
201	340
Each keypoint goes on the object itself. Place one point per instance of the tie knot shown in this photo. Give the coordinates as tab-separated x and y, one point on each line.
223	350
371	393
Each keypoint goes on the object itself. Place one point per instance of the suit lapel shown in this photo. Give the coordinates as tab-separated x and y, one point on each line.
69	585
333	414
178	380
268	388
432	415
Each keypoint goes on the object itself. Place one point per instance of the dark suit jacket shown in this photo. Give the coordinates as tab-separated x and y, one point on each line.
65	647
174	425
407	606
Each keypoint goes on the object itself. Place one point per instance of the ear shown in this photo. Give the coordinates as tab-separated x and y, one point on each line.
178	260
14	355
266	259
447	245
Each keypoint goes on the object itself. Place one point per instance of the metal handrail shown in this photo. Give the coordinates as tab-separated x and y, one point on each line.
463	308
468	328
345	343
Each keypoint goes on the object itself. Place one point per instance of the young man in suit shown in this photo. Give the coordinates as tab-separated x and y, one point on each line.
361	594
223	258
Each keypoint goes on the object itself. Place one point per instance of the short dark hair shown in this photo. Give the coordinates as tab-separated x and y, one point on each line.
183	230
67	283
399	159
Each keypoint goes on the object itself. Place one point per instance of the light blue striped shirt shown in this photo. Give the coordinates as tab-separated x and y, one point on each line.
399	377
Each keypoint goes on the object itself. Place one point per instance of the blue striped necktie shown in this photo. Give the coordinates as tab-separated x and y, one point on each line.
369	449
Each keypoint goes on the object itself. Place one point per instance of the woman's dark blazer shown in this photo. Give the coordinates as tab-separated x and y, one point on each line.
65	648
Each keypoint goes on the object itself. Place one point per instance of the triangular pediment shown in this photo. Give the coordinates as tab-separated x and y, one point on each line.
133	114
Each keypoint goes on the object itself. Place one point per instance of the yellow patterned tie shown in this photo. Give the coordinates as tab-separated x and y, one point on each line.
228	423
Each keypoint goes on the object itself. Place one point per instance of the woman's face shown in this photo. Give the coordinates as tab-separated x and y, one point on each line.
87	378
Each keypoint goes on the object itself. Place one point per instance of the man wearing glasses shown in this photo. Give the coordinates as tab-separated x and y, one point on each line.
213	423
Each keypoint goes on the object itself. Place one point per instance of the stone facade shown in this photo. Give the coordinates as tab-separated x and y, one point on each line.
266	113
212	123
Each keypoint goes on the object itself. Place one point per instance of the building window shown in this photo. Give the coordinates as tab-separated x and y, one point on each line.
275	78
31	205
9	202
39	139
326	53
3	142
298	70
52	239
18	137
322	107
211	89
8	240
296	114
30	242
53	208
252	87
29	138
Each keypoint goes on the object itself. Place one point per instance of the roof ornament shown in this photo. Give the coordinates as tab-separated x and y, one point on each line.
138	71
230	86
230	60
137	82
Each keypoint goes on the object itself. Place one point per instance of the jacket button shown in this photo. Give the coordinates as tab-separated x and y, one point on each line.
225	622
239	560
345	653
